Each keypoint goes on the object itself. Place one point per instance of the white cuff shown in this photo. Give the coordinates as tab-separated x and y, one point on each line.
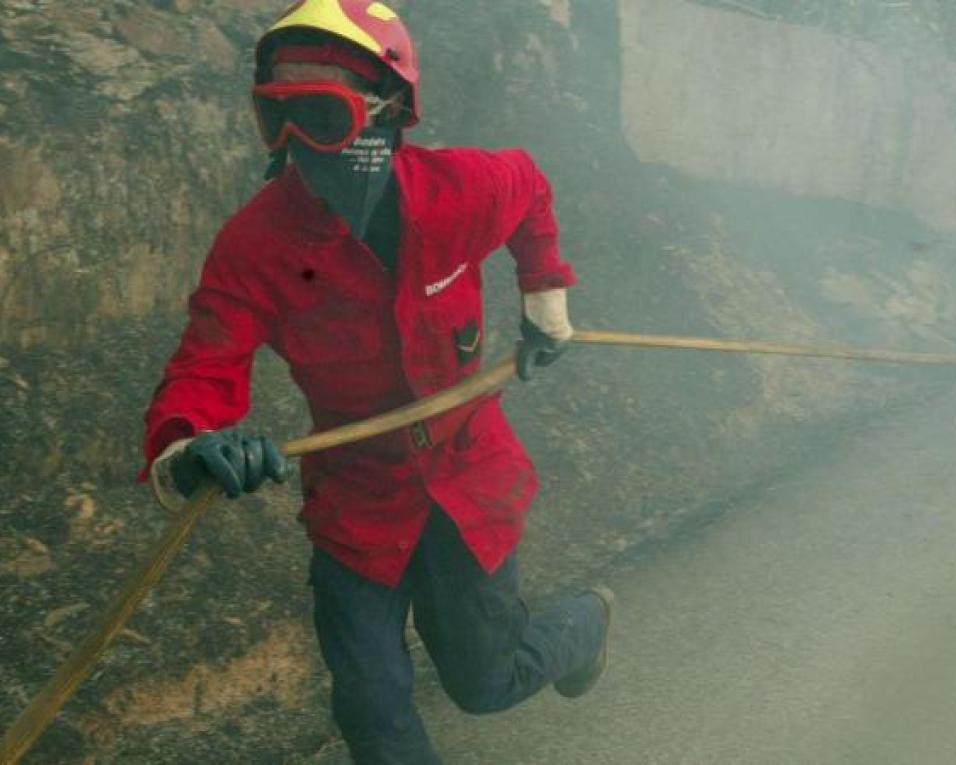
161	477
548	311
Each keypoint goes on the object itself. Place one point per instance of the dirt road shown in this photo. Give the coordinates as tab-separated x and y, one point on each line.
815	624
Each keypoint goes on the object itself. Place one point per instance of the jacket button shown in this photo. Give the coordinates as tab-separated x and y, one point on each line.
403	544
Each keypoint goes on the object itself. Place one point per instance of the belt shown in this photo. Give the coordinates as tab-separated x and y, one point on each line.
424	434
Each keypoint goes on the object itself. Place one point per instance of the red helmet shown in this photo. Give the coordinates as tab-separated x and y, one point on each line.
371	26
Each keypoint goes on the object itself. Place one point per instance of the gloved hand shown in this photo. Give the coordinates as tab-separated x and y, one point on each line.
237	461
545	330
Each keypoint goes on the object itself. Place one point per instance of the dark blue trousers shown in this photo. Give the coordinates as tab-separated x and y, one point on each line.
489	653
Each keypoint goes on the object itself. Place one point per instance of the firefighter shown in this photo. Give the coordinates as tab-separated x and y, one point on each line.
359	264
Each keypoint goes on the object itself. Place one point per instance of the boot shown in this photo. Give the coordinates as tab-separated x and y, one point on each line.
582	680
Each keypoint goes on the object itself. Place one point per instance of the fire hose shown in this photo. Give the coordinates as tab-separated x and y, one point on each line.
47	702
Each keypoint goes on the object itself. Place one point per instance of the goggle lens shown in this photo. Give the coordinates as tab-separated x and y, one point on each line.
327	120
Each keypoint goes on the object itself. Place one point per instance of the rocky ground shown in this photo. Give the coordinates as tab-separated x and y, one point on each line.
808	622
99	244
220	662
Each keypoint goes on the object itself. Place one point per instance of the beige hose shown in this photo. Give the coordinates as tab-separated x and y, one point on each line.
59	688
757	346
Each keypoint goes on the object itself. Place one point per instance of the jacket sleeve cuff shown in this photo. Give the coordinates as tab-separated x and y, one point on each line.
548	311
160	436
161	476
562	275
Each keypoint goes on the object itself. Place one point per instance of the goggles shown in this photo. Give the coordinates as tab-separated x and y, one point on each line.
326	116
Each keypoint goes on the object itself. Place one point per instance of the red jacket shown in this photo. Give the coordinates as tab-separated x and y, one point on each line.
286	271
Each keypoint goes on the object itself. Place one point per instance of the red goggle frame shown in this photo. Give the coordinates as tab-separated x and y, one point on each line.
326	116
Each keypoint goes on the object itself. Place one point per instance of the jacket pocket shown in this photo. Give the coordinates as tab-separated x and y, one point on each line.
449	332
468	341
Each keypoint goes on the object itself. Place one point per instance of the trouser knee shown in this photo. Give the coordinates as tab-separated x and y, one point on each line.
476	695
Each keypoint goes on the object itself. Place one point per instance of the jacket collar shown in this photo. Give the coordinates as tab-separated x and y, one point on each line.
307	212
402	166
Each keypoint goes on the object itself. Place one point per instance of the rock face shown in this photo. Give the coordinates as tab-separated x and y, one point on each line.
112	117
125	141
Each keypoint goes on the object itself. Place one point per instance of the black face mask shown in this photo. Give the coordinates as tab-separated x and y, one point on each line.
350	181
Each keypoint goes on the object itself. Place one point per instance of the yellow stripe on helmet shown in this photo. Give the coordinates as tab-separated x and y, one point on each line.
328	16
381	11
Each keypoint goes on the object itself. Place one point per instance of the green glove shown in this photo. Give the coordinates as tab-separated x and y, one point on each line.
236	461
545	330
536	349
